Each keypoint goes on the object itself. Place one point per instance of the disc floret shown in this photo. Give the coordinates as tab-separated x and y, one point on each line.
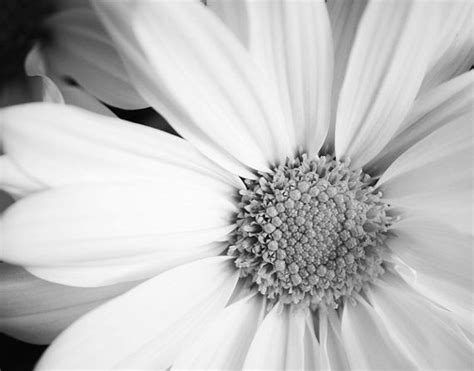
310	232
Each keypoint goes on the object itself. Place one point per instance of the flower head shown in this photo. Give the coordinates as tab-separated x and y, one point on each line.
316	215
57	50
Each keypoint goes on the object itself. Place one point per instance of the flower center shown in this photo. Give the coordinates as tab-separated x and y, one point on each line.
21	27
310	232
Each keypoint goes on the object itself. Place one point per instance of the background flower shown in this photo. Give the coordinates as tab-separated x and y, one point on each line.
58	51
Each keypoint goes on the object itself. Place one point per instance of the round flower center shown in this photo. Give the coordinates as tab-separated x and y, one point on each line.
21	27
310	232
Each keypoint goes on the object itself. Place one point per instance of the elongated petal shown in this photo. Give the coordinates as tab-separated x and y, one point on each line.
148	326
36	311
92	235
389	58
455	52
279	341
57	145
332	350
440	258
345	16
441	105
224	344
312	350
434	178
194	71
292	43
368	343
419	327
81	49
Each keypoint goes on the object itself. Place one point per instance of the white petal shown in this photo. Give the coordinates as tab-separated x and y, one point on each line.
279	341
57	145
368	343
440	258
391	51
419	328
312	350
439	106
455	53
14	180
195	72
434	178
332	351
345	16
292	43
81	49
114	232
36	311
225	342
234	13
148	326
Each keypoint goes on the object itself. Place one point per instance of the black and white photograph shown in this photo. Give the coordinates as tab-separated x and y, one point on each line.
236	185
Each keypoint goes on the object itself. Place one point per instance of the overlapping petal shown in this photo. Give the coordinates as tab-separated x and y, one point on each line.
100	234
332	349
148	326
80	49
368	343
432	342
224	343
53	145
441	105
192	69
455	52
439	259
283	341
37	311
292	43
345	16
434	178
389	58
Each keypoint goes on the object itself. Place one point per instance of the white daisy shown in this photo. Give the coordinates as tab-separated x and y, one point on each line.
45	44
272	236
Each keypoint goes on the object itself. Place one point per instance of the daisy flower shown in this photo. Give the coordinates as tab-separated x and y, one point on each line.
315	214
46	44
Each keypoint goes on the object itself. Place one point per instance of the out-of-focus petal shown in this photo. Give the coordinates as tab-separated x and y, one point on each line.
36	311
345	16
93	235
419	328
194	71
439	106
225	342
81	49
388	61
76	96
369	344
57	145
148	326
434	178
440	259
292	43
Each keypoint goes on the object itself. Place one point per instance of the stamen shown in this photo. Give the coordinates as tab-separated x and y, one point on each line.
310	232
